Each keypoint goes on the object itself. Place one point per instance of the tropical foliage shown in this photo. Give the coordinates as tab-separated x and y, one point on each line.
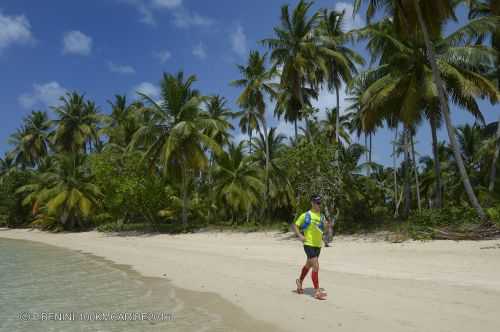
179	163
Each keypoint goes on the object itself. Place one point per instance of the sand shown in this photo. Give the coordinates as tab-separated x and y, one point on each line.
372	285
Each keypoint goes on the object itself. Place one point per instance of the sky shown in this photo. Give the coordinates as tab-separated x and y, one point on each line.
107	47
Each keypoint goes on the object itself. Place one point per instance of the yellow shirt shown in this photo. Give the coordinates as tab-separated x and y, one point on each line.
313	233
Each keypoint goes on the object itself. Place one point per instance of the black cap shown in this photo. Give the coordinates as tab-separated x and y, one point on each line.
315	198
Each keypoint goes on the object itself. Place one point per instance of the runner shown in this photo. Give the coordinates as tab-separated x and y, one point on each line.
312	225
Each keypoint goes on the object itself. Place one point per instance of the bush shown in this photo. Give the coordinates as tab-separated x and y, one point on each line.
130	192
12	211
424	224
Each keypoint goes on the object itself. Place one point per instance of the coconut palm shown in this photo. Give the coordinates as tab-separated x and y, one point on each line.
490	8
404	67
294	51
220	115
175	137
124	120
280	189
237	181
63	196
256	84
76	124
340	60
337	127
425	18
31	142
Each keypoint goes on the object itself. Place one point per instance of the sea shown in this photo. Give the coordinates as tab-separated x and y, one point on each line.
47	288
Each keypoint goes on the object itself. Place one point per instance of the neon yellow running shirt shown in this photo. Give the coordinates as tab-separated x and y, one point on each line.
313	234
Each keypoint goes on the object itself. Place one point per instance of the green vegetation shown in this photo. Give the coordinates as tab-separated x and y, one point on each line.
172	165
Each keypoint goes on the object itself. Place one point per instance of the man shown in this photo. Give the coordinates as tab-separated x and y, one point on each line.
312	225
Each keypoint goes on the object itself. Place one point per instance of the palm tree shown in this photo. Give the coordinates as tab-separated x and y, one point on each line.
337	127
237	182
31	142
64	195
490	8
76	124
256	83
427	17
280	188
219	114
340	60
462	68
123	121
175	137
295	53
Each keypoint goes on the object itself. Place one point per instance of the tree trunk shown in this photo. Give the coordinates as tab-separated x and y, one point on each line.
184	197
370	153
395	172
417	184
493	171
437	163
266	141
445	110
366	147
296	132
250	141
406	169
337	120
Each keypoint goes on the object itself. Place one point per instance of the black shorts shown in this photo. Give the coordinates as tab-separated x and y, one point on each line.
312	252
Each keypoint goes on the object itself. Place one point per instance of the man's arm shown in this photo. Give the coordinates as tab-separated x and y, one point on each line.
297	232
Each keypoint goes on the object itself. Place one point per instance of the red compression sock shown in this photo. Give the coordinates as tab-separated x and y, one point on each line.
314	276
303	273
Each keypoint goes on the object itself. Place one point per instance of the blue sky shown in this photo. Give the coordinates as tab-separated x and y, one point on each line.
107	47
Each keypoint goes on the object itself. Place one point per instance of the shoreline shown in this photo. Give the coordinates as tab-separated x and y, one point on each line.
372	284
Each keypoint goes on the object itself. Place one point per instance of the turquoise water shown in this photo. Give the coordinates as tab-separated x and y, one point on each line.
46	288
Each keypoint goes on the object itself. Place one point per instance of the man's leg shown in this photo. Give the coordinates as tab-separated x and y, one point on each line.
315	279
303	274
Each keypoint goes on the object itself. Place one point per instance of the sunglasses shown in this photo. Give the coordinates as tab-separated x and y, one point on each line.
317	202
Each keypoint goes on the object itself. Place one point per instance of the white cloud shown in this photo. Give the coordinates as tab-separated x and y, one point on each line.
76	42
148	89
44	95
199	51
185	19
14	30
121	69
350	22
239	41
182	17
167	3
163	56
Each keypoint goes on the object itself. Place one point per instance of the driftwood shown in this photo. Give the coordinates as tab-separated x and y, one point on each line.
483	231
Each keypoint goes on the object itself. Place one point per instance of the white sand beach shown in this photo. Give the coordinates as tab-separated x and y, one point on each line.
372	285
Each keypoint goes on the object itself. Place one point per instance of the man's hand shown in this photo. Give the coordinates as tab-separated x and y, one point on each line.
302	238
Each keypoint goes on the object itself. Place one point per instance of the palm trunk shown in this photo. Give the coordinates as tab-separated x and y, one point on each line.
395	172
370	153
337	127
446	113
407	188
266	194
417	184
337	120
250	141
366	147
493	171
437	163
184	197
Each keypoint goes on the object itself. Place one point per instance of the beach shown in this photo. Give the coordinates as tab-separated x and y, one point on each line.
372	284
